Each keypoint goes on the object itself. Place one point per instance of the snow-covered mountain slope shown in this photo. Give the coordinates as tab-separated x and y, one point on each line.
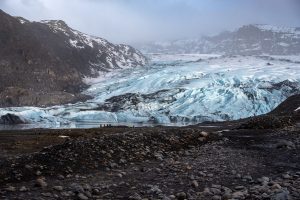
179	89
45	63
108	56
248	40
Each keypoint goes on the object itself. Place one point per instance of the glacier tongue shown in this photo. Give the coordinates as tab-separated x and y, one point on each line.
181	89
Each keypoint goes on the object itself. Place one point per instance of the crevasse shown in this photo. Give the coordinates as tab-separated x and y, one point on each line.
178	89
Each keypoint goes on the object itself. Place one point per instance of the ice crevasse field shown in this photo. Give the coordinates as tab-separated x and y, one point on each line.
176	90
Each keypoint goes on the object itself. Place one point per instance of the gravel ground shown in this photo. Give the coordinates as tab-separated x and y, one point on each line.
211	161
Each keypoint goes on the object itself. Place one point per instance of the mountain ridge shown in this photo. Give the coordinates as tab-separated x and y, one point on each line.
44	63
252	39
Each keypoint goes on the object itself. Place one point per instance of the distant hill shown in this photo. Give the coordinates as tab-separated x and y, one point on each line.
44	63
247	40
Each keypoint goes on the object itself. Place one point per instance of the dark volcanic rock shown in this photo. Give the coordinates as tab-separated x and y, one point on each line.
43	60
11	119
132	100
288	107
286	114
268	122
107	151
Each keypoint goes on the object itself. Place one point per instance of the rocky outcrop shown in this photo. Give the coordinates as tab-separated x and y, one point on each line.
284	115
10	119
268	122
289	106
42	60
13	96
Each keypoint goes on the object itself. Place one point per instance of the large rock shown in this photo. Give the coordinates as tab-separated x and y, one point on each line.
284	115
10	119
289	106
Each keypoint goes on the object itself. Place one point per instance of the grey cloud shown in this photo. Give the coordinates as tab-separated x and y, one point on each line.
139	20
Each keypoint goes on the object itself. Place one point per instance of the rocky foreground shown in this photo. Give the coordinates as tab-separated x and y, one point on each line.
248	159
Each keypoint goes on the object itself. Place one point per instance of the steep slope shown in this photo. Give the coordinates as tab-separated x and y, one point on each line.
44	63
285	114
288	107
247	40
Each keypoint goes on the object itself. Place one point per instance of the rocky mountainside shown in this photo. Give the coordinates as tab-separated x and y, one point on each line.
44	63
247	40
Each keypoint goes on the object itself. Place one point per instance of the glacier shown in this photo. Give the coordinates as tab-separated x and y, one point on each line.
177	89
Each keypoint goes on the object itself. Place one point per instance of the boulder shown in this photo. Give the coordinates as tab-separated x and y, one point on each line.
11	119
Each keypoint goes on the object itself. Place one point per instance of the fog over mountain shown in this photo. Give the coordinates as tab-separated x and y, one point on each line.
252	39
131	21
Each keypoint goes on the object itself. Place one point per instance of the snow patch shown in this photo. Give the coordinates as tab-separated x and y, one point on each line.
22	21
283	44
74	43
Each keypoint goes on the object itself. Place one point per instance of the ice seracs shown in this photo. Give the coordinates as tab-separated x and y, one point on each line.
179	89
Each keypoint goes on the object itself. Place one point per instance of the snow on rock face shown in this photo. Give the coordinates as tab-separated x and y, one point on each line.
74	43
298	109
251	39
181	89
107	56
59	59
278	29
22	20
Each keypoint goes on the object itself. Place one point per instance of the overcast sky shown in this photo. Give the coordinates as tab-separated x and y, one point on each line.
129	21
